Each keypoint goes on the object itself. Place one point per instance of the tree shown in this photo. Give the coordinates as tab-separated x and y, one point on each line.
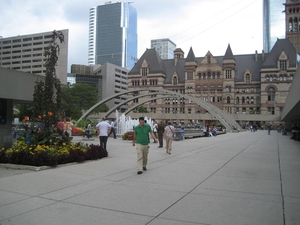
46	106
142	109
78	98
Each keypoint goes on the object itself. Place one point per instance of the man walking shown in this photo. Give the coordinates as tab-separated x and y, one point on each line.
141	141
103	129
160	133
112	129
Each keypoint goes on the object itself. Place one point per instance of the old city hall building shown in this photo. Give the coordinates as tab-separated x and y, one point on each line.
237	84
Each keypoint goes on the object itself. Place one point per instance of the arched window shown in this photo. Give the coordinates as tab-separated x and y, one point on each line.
175	80
295	24
290	25
243	100
271	94
252	100
228	99
213	75
267	78
247	100
247	78
237	100
208	75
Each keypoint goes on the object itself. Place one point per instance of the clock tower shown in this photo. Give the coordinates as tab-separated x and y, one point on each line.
292	21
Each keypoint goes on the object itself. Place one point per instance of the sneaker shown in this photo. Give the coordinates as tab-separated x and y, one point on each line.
144	168
139	172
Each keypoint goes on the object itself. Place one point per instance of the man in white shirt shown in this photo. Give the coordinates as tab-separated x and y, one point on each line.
112	129
103	129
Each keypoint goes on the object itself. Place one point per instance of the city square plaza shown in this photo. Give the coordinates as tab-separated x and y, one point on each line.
234	178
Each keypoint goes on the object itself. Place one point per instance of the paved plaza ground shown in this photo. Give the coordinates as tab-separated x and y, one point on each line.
232	179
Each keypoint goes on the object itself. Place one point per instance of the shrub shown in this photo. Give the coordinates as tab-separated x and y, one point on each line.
53	155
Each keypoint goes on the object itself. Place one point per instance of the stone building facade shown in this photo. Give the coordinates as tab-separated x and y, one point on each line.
237	84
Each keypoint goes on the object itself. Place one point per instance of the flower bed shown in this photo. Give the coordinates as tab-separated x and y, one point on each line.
50	155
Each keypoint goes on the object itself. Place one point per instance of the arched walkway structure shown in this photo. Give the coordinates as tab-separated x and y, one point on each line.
217	113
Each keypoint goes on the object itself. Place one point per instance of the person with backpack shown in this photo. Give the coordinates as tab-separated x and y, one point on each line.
168	136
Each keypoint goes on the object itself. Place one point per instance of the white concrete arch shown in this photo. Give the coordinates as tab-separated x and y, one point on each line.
217	113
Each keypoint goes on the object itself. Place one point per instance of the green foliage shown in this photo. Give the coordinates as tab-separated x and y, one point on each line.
82	123
22	111
216	123
124	136
46	106
78	98
142	109
45	155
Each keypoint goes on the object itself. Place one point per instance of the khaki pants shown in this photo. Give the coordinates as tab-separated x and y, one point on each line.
142	156
169	143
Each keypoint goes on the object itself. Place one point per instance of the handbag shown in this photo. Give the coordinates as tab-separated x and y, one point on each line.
173	134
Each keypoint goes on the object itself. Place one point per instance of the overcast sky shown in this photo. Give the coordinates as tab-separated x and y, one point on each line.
204	25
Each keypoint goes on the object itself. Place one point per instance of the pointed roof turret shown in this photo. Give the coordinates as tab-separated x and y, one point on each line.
228	54
153	59
191	56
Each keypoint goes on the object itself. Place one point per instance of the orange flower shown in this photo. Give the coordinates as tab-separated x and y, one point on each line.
26	118
39	116
50	113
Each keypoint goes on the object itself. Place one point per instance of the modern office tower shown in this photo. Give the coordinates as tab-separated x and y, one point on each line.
26	53
273	23
164	47
107	79
292	19
113	34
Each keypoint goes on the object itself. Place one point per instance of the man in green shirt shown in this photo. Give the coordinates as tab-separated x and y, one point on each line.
141	141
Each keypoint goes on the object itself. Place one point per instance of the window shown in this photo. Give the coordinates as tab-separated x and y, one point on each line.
228	99
228	89
228	74
237	100
282	64
38	38
257	100
27	39
247	78
271	110
189	75
271	94
208	59
208	75
175	81
144	71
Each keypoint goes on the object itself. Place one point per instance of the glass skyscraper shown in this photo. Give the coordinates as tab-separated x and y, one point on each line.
273	22
113	34
164	47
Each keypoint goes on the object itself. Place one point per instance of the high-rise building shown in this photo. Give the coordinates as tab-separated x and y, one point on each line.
113	34
273	23
292	15
107	79
26	53
164	47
